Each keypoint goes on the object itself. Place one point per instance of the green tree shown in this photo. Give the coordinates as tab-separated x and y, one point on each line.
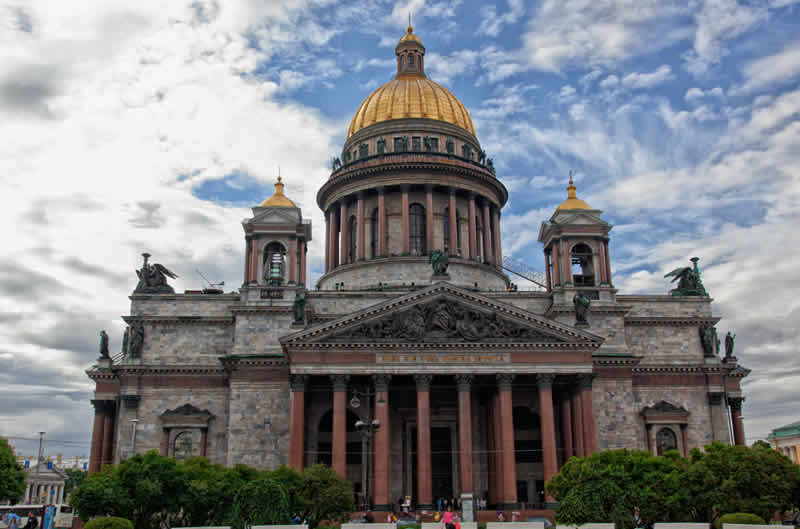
262	501
211	491
737	479
12	475
74	478
327	496
147	489
292	481
610	486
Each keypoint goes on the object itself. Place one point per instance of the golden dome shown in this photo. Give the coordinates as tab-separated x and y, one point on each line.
411	96
409	36
572	201
278	200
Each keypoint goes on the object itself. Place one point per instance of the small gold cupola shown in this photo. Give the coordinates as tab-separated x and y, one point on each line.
410	55
572	201
278	199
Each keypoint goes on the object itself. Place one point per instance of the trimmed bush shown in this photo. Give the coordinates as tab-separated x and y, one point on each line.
109	522
739	517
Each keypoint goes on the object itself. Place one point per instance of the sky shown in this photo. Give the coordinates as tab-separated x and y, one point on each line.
154	126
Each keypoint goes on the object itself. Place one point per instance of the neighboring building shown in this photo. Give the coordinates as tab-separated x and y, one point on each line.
44	485
786	440
478	389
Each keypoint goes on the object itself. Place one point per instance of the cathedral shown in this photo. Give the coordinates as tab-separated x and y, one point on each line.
413	367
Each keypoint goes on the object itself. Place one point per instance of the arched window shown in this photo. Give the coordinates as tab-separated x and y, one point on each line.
582	265
274	263
352	231
182	446
373	243
417	229
410	60
666	440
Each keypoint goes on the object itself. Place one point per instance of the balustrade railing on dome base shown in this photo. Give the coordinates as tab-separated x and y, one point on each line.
412	156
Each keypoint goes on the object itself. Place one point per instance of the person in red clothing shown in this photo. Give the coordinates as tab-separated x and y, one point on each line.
447	518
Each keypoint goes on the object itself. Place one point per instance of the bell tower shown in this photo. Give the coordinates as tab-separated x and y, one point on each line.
276	243
576	255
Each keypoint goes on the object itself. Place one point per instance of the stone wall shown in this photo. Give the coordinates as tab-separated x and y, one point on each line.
156	400
667	306
177	343
693	398
259	423
665	344
616	415
258	332
182	304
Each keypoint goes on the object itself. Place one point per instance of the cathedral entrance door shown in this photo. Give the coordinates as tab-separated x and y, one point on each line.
442	462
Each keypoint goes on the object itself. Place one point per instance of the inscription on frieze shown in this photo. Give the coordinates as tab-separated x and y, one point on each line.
453	358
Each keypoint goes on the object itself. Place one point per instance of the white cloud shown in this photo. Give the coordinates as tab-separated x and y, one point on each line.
717	22
693	93
638	81
610	82
774	70
444	69
567	93
492	23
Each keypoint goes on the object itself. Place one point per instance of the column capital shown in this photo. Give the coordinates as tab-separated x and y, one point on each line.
504	380
423	382
381	190
545	380
715	398
585	380
735	403
405	187
472	195
360	195
103	406
428	187
381	382
298	382
452	190
339	382
464	382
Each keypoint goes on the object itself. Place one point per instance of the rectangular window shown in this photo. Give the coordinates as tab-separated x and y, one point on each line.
398	145
363	150
434	144
410	60
416	143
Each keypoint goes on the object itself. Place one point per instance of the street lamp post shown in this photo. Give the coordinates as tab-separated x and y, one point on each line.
367	430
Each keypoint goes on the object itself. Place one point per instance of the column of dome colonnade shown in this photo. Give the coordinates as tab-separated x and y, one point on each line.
496	393
412	178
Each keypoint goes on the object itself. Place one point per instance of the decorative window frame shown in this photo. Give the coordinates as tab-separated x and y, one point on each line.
183	418
666	415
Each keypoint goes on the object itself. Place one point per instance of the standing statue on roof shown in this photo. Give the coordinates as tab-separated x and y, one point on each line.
103	344
153	278
689	281
730	340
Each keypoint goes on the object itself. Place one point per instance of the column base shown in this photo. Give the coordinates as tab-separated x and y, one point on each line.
425	507
385	507
467	507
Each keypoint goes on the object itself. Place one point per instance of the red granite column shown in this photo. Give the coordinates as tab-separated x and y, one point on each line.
428	218
336	223
453	221
498	449
360	228
327	241
424	477
735	404
601	254
577	422
548	271
473	228
589	433
165	442
108	435
464	383
292	260
344	228
566	261
203	442
297	421
97	437
339	456
247	244
383	437
545	383
382	222
556	264
302	265
404	211
254	261
566	425
487	235
608	261
491	449
685	440
509	464
498	247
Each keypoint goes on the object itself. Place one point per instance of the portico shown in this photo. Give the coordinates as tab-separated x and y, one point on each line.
448	399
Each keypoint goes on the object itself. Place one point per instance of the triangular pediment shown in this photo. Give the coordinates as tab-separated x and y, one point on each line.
275	215
578	217
443	314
